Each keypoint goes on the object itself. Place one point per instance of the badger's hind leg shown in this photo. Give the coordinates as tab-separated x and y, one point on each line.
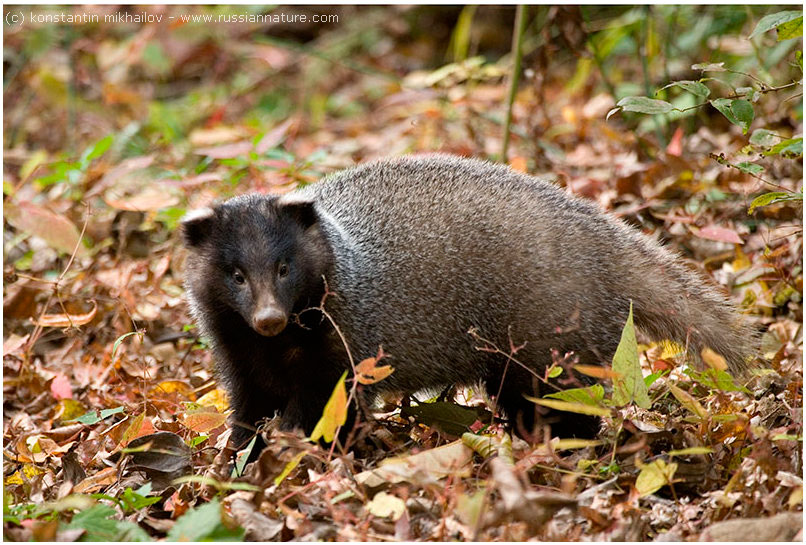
527	418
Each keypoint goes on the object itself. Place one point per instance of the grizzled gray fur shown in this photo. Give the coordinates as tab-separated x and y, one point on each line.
417	252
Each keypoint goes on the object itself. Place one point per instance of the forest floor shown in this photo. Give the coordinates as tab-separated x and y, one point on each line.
109	396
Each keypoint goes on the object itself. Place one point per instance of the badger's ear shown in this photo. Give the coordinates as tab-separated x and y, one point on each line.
197	226
299	208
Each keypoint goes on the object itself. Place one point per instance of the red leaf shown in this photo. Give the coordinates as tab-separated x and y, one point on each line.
721	234
675	147
60	387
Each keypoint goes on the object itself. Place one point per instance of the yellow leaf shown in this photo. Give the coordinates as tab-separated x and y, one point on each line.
567	406
215	398
570	444
436	463
289	467
690	450
183	389
796	497
334	414
133	429
69	409
386	505
654	476
28	470
688	401
713	360
671	349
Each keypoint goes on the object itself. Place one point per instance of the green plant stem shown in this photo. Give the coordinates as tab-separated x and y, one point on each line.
643	53
598	60
517	42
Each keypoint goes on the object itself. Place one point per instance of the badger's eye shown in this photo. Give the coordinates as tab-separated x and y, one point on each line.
238	277
282	270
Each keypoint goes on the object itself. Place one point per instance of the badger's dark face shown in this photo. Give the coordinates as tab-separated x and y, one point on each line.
257	255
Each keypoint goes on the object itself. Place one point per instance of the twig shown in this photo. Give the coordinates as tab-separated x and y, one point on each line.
37	332
722	161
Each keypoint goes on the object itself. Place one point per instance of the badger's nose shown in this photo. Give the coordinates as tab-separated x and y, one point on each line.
269	321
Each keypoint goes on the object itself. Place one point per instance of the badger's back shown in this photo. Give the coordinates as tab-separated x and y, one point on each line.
428	247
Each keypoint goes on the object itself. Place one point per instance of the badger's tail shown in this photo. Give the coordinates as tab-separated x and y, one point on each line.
675	302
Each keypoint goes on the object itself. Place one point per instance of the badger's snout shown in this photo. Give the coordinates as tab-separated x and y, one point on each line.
269	321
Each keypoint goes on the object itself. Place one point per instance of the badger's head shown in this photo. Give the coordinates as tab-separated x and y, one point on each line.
261	256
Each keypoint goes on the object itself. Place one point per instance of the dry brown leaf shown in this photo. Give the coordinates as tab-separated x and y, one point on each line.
58	231
67	320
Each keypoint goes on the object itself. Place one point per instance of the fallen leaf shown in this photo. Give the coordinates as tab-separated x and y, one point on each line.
60	387
204	421
720	234
215	398
436	463
386	505
654	476
150	198
713	360
95	482
67	320
58	231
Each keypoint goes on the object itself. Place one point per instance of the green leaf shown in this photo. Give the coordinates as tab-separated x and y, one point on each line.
645	105
744	113
203	523
764	138
555	371
750	168
716	379
738	111
693	87
449	417
240	463
120	340
93	417
792	148
138	499
709	67
723	105
773	197
748	93
567	406
629	384
460	40
791	29
774	20
592	395
99	526
96	150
